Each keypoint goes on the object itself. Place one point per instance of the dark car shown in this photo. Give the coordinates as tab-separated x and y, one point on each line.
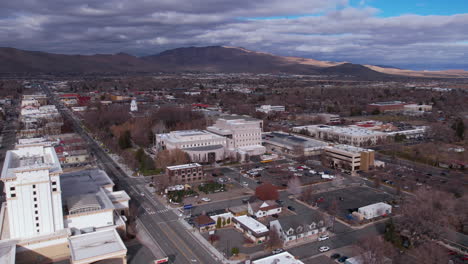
274	215
259	182
335	256
291	208
280	202
246	200
342	259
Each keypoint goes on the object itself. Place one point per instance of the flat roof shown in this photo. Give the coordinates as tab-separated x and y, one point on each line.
350	148
84	181
251	224
292	139
30	157
184	166
7	252
96	246
281	258
352	131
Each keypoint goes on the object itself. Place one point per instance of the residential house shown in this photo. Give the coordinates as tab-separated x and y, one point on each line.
263	208
296	228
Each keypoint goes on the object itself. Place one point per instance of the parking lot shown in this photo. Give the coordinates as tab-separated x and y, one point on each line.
350	199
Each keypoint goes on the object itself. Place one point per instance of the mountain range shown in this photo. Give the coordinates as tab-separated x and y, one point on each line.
211	59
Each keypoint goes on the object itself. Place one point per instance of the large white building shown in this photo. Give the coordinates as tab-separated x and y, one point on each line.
32	187
45	209
270	108
345	135
201	145
243	134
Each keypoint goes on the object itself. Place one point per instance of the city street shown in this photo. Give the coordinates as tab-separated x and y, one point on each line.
164	228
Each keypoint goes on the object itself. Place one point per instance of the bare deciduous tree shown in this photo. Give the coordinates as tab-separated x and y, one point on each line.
294	186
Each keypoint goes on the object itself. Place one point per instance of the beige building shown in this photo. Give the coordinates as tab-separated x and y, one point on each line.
243	134
350	158
343	134
200	145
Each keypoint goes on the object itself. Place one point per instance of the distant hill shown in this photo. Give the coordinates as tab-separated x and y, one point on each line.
213	59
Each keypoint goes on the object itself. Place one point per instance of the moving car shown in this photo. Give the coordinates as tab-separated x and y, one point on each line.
323	237
277	251
324	249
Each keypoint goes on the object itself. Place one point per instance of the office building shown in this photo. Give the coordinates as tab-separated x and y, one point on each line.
186	173
349	157
355	136
46	210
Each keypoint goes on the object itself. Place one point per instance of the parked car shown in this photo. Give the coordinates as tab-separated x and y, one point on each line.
259	182
246	200
323	237
277	251
245	184
291	208
342	259
206	199
335	256
324	249
280	202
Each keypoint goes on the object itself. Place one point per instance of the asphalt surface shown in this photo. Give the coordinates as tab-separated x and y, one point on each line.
163	225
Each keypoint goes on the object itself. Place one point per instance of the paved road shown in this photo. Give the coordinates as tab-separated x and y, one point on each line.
163	227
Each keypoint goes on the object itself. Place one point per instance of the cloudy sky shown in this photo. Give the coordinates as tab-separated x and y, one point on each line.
415	34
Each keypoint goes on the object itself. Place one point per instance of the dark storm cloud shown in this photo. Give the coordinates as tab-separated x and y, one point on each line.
335	32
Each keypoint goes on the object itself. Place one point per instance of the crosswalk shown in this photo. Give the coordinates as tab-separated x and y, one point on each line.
161	211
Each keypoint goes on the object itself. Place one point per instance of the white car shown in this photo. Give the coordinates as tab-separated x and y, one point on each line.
245	184
205	199
324	249
323	237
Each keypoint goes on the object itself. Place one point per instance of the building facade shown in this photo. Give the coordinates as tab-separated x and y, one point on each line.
187	173
350	158
355	136
243	134
202	146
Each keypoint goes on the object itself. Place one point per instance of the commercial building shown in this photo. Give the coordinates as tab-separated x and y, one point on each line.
200	145
37	119
349	157
329	118
251	228
293	144
281	258
386	106
375	210
187	173
355	136
45	209
270	108
243	134
417	108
